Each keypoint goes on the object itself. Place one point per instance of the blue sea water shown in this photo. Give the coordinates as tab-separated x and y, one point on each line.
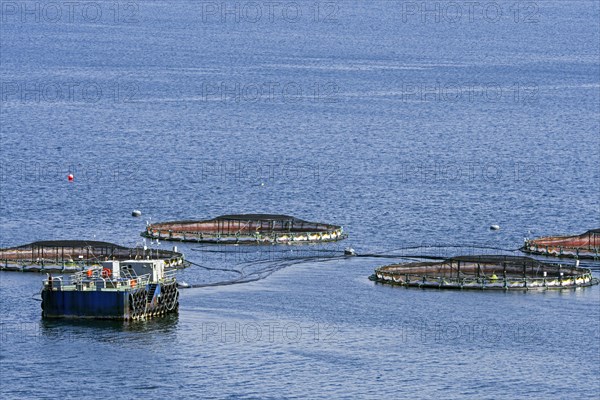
409	123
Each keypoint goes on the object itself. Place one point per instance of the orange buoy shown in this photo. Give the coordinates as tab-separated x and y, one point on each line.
106	272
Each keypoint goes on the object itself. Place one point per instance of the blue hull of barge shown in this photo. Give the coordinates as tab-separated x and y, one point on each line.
85	304
142	302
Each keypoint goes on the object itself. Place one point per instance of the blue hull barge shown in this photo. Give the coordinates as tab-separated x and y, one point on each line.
121	290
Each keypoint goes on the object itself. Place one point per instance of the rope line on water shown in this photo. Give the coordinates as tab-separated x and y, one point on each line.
271	266
215	269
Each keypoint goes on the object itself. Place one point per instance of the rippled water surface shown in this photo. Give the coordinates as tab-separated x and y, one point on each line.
408	127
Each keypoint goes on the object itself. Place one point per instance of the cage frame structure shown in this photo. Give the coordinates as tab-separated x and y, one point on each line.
77	255
482	272
583	246
261	229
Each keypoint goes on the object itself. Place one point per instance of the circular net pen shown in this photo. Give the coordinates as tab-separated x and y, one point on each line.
586	245
77	255
246	229
485	272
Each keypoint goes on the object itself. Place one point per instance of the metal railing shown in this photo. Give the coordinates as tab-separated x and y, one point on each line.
280	237
505	282
94	281
558	250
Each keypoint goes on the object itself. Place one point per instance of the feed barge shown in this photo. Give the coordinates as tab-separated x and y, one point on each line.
584	246
246	229
485	272
68	256
119	290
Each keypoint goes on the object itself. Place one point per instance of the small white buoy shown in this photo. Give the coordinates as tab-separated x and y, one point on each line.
495	227
136	213
349	251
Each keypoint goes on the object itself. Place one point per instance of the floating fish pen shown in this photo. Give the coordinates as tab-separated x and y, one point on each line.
77	255
121	290
586	245
485	272
246	229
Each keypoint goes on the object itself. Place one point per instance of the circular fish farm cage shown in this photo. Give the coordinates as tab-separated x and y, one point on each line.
246	229
485	272
586	245
77	255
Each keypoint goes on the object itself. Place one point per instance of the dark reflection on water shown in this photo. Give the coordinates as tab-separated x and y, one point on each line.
108	330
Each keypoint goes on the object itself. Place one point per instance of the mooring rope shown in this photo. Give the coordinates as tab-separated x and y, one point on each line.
271	266
215	269
253	250
390	254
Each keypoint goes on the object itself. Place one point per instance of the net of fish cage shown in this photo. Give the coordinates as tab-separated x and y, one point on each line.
246	229
485	272
76	255
586	245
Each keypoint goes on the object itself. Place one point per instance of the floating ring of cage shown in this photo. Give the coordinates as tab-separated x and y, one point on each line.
485	272
75	255
246	229
586	245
